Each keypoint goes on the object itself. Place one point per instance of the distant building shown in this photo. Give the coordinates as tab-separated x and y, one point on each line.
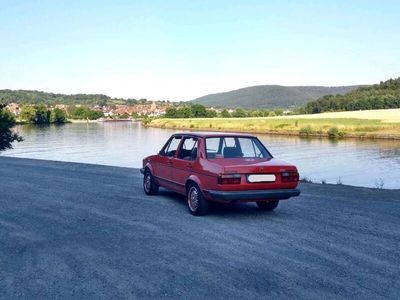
61	106
14	108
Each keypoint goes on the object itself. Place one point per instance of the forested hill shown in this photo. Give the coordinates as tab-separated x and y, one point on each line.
270	96
378	96
35	97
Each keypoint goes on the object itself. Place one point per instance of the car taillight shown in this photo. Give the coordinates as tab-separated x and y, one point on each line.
290	176
229	179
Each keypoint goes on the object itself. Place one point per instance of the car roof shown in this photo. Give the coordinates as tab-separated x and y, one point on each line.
207	134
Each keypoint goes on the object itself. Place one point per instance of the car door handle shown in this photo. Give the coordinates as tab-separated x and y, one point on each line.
189	166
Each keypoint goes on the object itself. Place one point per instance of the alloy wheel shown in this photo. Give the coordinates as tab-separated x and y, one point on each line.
147	182
193	199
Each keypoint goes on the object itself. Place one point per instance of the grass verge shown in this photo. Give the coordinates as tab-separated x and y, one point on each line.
324	125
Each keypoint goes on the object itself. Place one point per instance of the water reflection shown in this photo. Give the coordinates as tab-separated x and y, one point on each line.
355	162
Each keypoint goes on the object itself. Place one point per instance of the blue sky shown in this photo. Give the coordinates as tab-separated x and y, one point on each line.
179	50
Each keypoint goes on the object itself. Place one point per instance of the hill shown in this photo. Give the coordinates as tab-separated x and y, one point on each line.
36	97
271	96
378	96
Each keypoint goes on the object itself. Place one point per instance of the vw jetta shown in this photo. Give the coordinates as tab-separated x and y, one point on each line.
220	167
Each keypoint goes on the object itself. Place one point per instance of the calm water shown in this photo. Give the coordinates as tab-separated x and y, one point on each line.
353	162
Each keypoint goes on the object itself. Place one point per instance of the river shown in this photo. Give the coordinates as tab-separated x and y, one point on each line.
370	163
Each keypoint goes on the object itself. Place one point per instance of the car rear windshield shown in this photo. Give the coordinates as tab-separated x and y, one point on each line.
235	147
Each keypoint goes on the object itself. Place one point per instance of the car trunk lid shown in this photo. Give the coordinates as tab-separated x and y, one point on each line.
255	166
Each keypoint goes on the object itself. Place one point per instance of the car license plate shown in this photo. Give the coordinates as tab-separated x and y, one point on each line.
261	178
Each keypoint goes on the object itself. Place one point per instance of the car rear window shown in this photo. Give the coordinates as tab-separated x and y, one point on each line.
235	147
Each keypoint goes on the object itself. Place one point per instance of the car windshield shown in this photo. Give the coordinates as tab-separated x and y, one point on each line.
235	147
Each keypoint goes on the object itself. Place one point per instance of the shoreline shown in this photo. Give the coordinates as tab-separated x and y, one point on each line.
77	121
283	133
364	124
304	180
384	124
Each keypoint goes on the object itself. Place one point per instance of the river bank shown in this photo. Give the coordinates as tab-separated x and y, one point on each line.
88	231
373	124
79	121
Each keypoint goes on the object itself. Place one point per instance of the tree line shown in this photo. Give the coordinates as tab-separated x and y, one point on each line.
379	96
38	97
40	114
200	111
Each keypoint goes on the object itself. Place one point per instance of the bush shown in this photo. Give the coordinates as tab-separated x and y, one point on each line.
307	130
146	120
335	133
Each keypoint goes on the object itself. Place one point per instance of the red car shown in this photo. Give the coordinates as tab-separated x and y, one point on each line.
220	167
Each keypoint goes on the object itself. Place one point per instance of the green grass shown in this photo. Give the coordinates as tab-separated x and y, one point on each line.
328	127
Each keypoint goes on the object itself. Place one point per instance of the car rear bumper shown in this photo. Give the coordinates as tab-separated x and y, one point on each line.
255	195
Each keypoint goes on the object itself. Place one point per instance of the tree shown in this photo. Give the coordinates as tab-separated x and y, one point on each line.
199	111
239	113
84	113
257	113
28	113
42	114
265	112
184	112
225	114
57	116
211	113
7	137
170	112
279	112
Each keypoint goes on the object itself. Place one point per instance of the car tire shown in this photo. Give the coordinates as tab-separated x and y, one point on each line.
268	206
149	186
197	205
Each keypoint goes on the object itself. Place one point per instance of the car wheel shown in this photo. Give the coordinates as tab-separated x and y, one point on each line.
197	205
268	206
149	186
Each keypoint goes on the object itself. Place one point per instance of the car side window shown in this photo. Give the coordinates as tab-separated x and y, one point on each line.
170	150
212	146
188	150
249	149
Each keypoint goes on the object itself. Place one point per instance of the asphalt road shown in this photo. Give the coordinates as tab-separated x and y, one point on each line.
87	231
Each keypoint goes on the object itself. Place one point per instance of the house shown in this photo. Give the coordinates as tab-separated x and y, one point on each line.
14	108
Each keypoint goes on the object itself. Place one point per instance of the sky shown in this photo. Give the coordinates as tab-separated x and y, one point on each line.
181	50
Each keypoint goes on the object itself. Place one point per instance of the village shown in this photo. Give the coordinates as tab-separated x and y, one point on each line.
150	109
146	109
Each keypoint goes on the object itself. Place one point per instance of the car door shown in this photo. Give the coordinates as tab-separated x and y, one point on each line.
164	165
182	164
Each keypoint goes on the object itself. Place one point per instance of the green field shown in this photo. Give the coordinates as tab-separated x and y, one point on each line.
363	124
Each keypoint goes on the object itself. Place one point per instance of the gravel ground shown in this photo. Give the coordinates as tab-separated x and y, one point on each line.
72	230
